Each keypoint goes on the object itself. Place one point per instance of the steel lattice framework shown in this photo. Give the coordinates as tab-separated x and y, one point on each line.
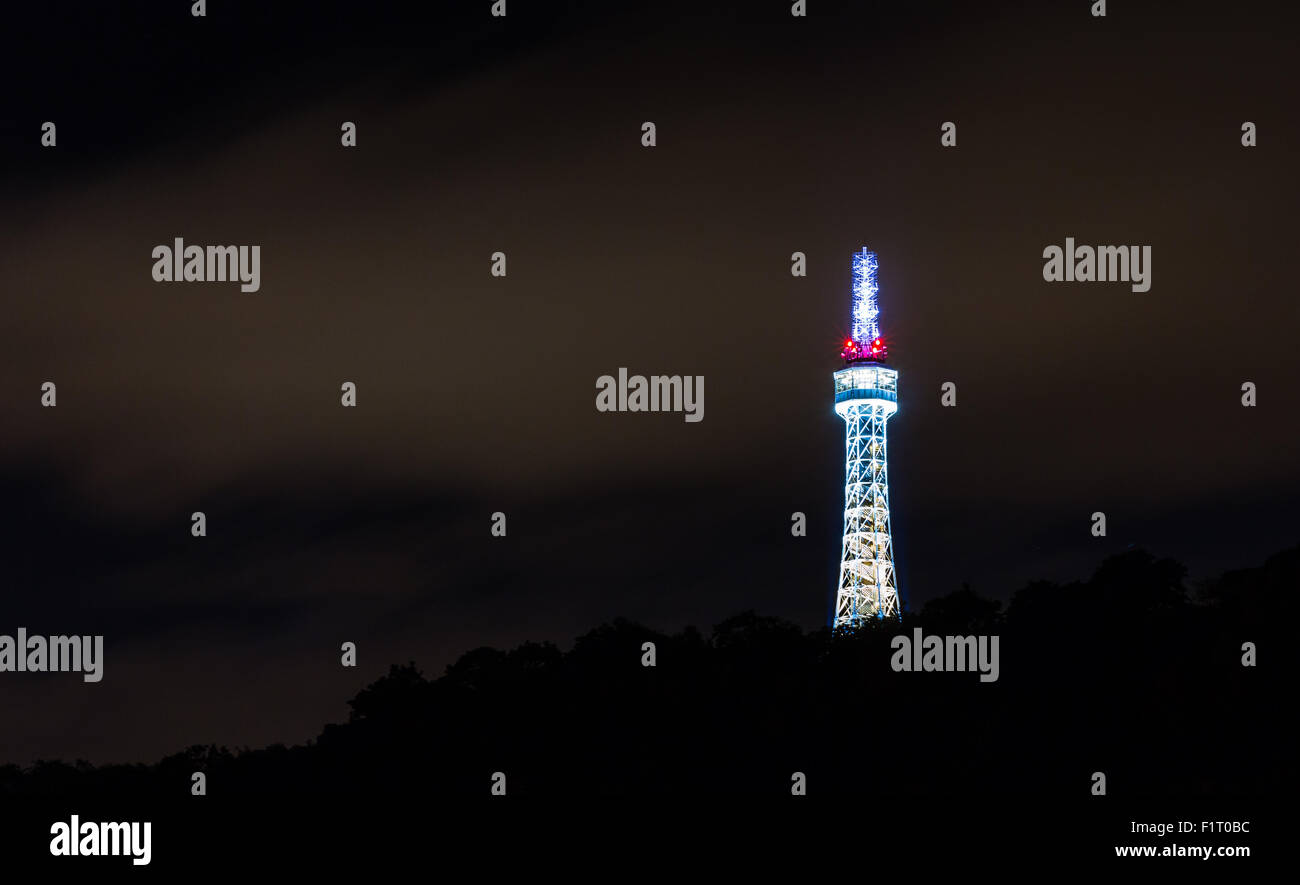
865	398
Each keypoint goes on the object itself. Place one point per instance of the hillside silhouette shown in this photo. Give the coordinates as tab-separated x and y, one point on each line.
1131	672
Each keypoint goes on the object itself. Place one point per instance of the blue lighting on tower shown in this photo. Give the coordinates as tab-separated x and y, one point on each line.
866	315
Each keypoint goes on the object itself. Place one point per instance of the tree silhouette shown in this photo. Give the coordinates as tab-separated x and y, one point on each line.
1126	671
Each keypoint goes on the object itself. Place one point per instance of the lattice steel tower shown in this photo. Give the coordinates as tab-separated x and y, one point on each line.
866	395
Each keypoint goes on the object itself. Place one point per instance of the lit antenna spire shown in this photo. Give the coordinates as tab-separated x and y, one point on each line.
866	314
865	342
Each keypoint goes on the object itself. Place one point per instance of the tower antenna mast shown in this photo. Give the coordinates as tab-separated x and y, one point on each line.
866	396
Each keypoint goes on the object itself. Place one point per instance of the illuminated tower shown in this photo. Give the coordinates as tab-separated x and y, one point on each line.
866	394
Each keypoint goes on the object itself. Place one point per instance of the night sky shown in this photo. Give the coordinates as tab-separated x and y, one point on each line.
476	394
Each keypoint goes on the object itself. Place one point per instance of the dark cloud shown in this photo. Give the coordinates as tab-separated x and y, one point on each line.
476	394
